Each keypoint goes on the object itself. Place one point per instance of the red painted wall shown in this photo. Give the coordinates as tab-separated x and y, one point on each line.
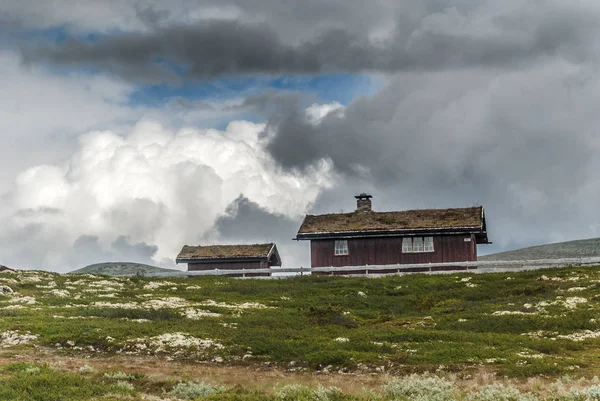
388	250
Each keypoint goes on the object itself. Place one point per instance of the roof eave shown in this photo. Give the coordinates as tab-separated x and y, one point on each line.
277	257
389	233
219	260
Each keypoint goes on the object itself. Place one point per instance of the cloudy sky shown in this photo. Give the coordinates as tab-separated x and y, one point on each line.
130	128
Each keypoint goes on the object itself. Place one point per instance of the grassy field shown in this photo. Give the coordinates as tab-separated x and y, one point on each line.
458	335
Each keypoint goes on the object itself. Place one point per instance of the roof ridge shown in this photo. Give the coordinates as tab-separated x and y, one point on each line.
397	211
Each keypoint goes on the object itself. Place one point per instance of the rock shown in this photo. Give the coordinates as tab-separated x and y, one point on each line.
5	290
4	268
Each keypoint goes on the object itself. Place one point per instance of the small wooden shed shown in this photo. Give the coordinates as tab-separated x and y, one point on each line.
231	257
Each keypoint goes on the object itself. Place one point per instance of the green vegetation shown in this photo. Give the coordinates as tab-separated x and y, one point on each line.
22	382
120	269
518	324
29	382
571	249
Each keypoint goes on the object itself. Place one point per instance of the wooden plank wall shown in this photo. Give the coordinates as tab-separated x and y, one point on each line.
388	250
232	266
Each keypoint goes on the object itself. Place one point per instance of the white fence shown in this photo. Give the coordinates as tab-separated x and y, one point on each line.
427	268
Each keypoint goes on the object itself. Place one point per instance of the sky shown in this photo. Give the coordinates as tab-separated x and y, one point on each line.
131	128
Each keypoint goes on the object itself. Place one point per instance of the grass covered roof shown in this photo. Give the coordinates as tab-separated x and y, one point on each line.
409	220
225	251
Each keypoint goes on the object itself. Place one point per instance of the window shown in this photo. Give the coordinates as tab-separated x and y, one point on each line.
341	247
417	244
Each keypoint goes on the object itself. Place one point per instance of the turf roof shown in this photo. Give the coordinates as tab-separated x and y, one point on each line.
409	220
225	251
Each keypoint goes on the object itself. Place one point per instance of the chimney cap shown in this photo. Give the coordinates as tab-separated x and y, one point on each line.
363	196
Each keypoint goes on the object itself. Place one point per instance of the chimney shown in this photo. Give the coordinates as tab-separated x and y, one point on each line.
363	203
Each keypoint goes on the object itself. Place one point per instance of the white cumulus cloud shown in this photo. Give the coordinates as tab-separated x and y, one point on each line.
152	190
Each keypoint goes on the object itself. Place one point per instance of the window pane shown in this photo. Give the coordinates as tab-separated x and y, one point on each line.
418	244
428	244
341	247
406	245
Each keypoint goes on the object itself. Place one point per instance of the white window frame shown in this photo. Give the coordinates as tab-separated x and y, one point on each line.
426	244
341	247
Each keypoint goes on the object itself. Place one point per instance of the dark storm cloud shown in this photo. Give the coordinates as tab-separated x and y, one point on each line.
522	144
150	16
486	102
247	222
227	47
31	247
87	250
141	251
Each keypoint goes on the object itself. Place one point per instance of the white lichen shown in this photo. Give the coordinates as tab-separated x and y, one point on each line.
153	285
580	336
60	293
196	314
12	337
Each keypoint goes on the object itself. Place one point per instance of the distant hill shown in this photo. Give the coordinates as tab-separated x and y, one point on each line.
4	268
120	268
570	249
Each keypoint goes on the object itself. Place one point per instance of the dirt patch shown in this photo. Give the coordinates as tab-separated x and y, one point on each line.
257	376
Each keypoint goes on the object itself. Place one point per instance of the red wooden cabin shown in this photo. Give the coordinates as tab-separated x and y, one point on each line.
231	257
366	237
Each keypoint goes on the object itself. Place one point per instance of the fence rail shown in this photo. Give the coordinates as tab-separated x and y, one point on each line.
428	268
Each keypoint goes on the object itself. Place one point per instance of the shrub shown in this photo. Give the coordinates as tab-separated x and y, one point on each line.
328	394
500	392
86	369
293	392
191	390
588	394
48	384
118	313
256	396
119	376
324	315
128	387
420	388
239	393
23	367
335	358
296	392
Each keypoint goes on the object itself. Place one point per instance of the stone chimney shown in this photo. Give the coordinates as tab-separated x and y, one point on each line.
363	203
